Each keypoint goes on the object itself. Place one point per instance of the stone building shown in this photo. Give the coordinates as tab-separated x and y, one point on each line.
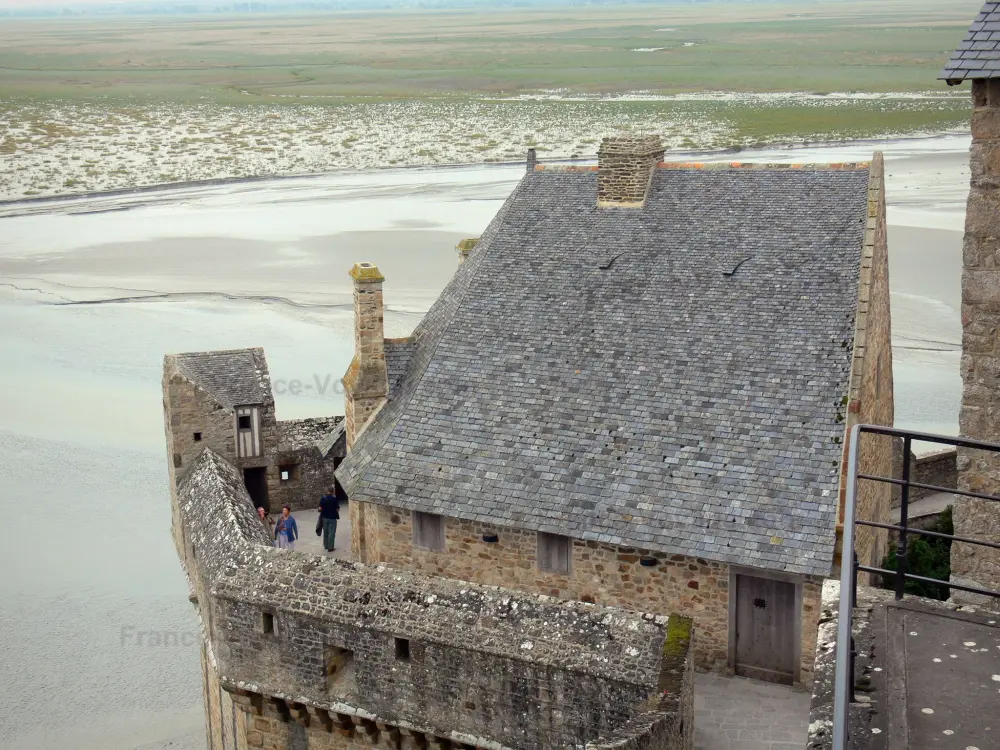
222	400
977	59
303	652
634	392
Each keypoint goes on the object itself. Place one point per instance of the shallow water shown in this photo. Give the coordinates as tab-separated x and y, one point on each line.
94	291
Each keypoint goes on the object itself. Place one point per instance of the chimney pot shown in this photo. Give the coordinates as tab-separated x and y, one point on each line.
464	247
625	166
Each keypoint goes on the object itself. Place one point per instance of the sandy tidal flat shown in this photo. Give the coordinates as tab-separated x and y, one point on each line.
93	292
54	148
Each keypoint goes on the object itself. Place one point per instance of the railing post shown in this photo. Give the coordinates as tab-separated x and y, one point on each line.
854	650
904	512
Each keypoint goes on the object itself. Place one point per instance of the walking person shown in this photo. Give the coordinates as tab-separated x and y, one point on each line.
286	531
329	514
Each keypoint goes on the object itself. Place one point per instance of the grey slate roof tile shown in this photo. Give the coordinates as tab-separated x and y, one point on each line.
397	361
233	377
540	384
978	55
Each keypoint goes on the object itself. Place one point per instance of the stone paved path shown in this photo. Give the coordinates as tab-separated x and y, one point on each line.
312	544
734	713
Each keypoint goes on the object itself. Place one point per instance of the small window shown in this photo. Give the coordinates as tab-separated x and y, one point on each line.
339	663
402	649
244	422
428	531
267	624
288	473
554	553
197	437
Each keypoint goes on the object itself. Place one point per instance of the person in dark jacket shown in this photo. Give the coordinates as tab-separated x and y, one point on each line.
329	514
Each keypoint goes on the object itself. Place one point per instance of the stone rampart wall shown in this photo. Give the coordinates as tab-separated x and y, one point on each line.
871	396
334	643
608	575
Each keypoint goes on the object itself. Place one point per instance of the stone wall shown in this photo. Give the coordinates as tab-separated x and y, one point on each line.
321	641
979	417
870	399
608	575
190	411
625	169
313	474
938	468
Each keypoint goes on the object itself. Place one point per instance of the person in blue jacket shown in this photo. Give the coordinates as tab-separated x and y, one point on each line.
285	530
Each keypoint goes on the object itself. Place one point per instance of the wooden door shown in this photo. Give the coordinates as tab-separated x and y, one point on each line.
766	633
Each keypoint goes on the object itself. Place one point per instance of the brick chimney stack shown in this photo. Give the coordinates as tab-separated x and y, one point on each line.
625	166
366	384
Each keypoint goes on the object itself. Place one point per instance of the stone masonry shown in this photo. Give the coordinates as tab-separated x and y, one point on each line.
980	414
626	165
308	653
870	398
607	575
198	416
366	383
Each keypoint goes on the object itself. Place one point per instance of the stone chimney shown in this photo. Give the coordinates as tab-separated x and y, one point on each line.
366	384
625	166
532	159
464	247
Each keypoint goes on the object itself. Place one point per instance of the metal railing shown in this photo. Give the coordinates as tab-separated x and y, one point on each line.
844	674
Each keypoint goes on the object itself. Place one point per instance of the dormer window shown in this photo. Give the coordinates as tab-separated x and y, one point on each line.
248	444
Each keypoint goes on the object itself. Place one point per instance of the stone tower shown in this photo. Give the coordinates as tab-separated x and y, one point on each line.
978	60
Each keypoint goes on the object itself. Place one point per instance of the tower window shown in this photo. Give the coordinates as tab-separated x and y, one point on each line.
402	649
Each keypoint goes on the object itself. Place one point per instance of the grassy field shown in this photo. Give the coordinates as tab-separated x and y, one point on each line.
116	102
843	45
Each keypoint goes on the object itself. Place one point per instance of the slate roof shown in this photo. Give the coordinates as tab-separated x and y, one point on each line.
398	353
668	378
335	440
232	377
978	56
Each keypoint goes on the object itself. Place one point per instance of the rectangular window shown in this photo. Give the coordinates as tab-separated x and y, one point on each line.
339	663
244	422
402	649
554	553
197	437
267	623
428	531
288	473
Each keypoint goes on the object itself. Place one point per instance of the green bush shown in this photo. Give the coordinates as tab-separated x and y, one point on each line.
925	556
